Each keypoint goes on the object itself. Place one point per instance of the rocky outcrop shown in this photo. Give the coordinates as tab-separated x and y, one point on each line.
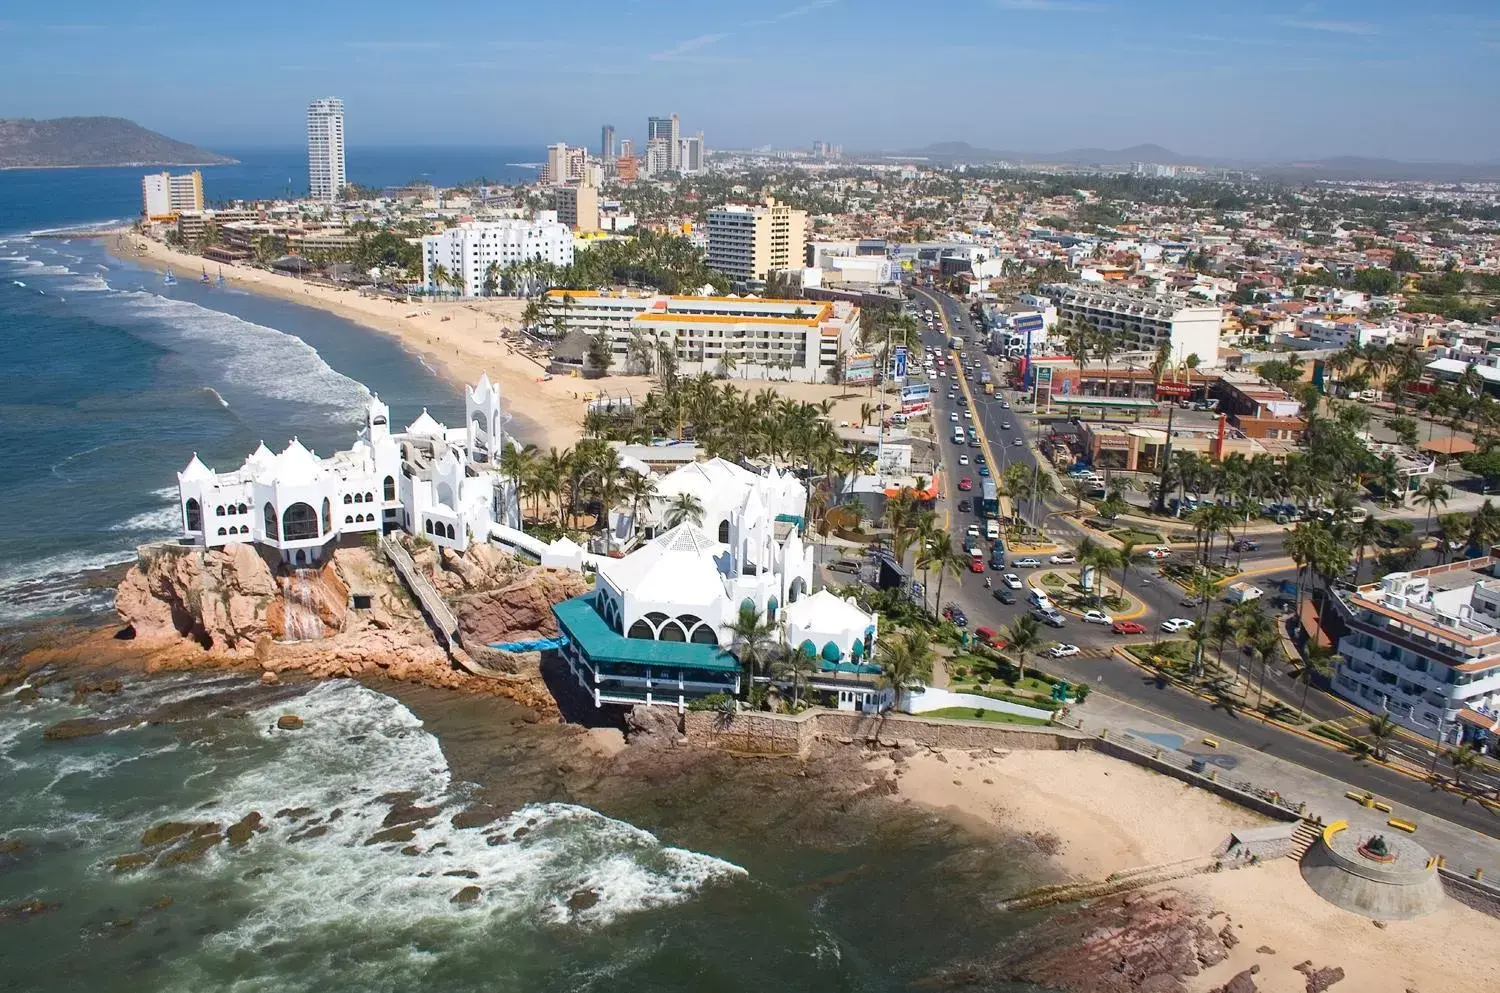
521	610
481	567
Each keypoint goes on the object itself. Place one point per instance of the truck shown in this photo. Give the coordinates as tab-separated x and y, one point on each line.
992	529
1242	593
989	499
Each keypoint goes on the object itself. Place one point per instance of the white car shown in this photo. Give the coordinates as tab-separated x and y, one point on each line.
1005	426
1097	617
1018	443
1012	580
1062	651
1028	563
963	460
1067	558
968	415
953	416
1158	553
1172	625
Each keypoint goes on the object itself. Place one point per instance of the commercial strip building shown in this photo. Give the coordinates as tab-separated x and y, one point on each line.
747	242
467	250
1424	647
1140	321
326	178
164	196
760	339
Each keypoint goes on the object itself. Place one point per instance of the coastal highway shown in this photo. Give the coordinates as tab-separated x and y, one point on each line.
1112	675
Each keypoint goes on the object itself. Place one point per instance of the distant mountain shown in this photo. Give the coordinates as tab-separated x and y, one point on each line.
92	141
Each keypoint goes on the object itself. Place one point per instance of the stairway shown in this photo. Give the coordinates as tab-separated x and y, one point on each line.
1303	838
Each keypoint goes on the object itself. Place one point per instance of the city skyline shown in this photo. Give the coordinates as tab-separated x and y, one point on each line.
1286	80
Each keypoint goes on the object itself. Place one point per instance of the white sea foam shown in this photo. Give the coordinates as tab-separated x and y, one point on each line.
162	520
166	493
88	282
259	358
51	585
18	282
357	745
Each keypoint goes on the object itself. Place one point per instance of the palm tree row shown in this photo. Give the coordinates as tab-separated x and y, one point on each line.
585	477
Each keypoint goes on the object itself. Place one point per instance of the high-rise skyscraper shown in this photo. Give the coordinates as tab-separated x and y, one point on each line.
325	148
627	148
665	129
607	142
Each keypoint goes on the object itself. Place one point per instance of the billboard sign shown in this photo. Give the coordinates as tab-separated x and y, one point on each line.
860	368
1027	323
916	391
900	368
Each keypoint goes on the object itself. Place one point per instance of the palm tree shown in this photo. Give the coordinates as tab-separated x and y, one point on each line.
440	276
1431	494
1464	759
752	636
1268	647
684	507
798	668
1128	556
904	662
945	558
1317	664
1023	637
1380	729
639	490
1222	628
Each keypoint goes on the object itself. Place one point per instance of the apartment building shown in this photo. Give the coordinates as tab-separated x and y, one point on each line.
565	164
1424	647
467	251
578	207
164	196
800	340
1140	321
746	242
326	177
664	130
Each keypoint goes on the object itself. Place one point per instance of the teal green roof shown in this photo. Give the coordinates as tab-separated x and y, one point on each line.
790	519
602	643
850	667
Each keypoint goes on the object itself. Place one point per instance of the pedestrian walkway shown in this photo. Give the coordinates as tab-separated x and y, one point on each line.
1326	797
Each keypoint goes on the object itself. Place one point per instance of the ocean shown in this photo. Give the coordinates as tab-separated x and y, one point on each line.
688	872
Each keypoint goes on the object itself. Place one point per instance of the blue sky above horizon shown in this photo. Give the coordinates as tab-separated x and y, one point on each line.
1230	79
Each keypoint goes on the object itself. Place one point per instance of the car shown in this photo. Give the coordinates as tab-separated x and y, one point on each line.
964	507
1097	617
984	470
1062	651
968	415
963	401
953	416
1172	625
1005	426
966	484
1128	627
844	565
1029	562
1004	596
1050	616
1011	580
954	613
1018	443
976	564
1191	601
963	459
952	394
1004	404
986	636
1066	558
1158	553
1246	545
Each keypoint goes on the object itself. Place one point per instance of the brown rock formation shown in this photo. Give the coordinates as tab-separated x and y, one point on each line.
521	610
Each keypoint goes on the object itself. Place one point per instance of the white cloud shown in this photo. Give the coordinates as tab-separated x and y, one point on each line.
683	49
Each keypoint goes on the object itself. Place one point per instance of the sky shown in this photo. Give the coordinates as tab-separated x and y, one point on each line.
1227	80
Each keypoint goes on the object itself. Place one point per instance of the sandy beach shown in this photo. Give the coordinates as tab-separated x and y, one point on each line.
462	339
1105	815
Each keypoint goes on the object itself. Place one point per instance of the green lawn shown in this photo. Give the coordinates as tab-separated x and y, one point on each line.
994	716
1139	537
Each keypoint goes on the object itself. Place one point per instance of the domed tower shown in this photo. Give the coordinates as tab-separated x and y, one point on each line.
377	419
482	415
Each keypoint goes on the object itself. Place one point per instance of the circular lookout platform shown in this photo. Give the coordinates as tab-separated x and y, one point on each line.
1381	876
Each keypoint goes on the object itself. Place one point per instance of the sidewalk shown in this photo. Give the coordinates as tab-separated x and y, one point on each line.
1464	849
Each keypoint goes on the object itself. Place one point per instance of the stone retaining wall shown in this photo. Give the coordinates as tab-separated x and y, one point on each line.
1481	896
780	734
1121	751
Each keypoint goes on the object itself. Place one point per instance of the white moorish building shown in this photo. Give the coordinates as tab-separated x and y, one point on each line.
440	482
466	251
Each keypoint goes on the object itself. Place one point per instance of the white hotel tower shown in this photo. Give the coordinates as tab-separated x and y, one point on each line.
440	482
325	148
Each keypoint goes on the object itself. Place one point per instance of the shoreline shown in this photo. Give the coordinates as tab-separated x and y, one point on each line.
456	340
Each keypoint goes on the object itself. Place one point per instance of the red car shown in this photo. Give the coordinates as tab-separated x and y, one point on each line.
976	564
989	637
1128	627
966	484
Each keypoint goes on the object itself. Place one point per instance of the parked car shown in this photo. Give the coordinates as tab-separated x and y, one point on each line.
1172	625
1066	558
989	637
955	613
1062	651
1097	617
1004	596
1128	627
1030	562
844	565
1011	580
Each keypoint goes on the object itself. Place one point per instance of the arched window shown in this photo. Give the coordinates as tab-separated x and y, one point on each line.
348	519
369	498
219	511
299	522
222	532
797	589
348	498
771	606
327	516
390	487
689	621
194	515
724	531
427	526
242	509
640	629
704	634
450	532
271	530
672	631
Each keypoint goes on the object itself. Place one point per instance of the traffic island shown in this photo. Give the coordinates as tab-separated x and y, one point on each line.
1063	589
1385	876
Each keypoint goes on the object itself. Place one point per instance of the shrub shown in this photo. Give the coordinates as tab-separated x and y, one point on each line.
960	671
984	678
1081	692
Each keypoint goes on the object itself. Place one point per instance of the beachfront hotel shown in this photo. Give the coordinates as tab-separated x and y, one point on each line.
1424	647
802	340
164	195
440	482
466	251
654	628
325	149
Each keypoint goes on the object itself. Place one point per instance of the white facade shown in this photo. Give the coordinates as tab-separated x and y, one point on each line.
440	482
468	250
1140	321
325	149
164	194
